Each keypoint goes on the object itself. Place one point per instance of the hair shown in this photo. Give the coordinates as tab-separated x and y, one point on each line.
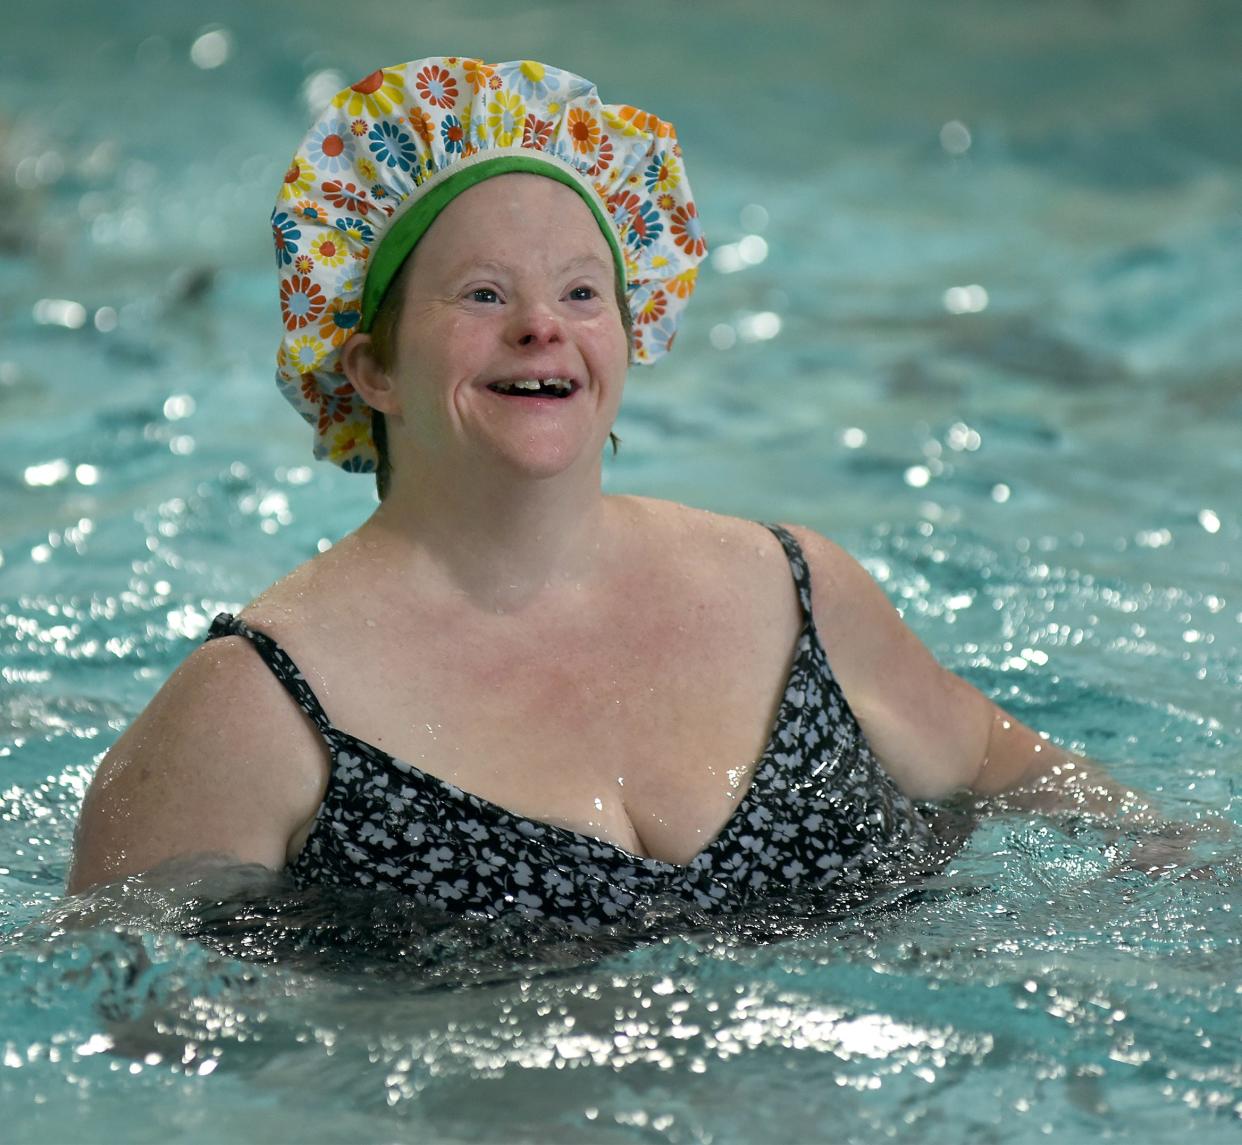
384	348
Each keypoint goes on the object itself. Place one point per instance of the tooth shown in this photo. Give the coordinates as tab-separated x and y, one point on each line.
560	386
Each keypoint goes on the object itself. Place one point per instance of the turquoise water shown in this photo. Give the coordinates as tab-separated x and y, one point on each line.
974	309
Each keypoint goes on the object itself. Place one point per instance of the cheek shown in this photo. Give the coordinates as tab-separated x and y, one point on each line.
608	336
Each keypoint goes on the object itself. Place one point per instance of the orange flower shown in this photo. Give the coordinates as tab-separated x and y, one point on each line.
687	231
652	310
437	86
623	201
339	322
301	301
583	130
346	197
631	119
333	407
477	73
603	157
422	124
683	284
536	132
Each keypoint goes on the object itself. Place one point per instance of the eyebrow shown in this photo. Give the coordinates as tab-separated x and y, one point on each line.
487	264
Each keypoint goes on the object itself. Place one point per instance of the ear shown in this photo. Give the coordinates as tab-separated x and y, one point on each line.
367	376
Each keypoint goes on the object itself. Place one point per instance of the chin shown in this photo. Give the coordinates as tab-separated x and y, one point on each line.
542	460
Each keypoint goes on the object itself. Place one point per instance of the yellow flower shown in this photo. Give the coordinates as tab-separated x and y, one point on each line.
349	440
298	179
668	175
306	353
367	170
630	121
377	94
329	248
506	114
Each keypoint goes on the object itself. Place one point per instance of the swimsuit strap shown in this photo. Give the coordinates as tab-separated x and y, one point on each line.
797	566
281	664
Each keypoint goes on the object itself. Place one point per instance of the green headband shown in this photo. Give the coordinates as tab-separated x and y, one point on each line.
406	232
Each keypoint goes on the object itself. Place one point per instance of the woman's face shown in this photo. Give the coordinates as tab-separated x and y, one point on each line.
512	284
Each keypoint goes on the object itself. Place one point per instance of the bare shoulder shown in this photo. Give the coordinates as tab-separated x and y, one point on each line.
684	533
220	761
843	592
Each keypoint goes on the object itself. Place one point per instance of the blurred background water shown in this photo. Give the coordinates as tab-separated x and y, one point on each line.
973	308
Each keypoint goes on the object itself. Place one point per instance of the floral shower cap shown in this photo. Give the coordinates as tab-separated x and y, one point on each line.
394	149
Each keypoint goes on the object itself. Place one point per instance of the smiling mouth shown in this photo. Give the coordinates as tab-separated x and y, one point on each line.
535	388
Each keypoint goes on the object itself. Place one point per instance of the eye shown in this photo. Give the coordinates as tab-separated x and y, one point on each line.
483	294
583	293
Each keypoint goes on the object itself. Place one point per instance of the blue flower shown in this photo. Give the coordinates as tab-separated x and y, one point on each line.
453	134
328	146
659	336
358	227
645	226
391	145
532	80
286	234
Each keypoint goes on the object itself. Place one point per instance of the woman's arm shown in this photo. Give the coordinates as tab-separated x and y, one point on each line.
935	733
220	763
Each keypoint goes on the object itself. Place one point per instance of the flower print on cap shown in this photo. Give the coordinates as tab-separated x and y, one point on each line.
357	196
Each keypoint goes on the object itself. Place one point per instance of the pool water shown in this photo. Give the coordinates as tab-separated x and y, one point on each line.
974	309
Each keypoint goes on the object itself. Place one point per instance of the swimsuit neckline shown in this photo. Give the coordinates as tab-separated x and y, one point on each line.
783	719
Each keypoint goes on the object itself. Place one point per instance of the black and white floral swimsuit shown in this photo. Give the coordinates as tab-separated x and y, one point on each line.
821	813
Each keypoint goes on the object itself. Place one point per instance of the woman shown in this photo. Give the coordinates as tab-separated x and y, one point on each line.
518	693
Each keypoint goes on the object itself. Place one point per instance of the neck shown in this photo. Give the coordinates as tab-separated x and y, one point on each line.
500	541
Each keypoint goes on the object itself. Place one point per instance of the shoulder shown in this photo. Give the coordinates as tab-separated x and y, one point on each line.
224	714
841	587
927	726
220	761
684	533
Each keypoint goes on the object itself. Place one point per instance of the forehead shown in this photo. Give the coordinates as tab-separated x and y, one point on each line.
527	220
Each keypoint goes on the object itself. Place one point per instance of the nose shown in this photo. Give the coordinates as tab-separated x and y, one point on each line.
535	324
